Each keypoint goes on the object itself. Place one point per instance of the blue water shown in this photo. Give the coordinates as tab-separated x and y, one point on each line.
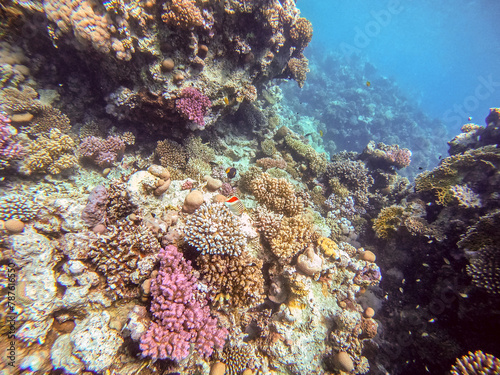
444	55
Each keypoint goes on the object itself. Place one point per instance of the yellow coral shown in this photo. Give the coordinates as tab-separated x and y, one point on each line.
316	162
328	246
301	33
277	194
51	154
388	221
293	236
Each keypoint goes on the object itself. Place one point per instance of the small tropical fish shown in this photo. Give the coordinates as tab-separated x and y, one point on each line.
420	168
231	172
463	295
431	320
425	265
321	133
469	119
226	100
446	260
425	334
368	83
235	205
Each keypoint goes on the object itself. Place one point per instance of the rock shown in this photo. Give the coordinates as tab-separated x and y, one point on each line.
212	183
310	262
343	362
95	343
62	357
193	201
14	226
218	368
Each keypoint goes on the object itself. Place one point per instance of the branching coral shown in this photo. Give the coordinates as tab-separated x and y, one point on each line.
213	229
477	363
277	194
384	156
90	25
47	119
193	105
294	234
182	13
301	33
125	255
20	207
9	149
484	268
50	154
237	281
171	154
299	67
181	317
351	175
15	101
103	152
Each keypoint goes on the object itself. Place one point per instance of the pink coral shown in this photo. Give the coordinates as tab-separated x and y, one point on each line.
400	157
8	148
180	316
103	152
193	105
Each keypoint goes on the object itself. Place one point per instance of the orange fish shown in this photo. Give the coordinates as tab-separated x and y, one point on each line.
368	84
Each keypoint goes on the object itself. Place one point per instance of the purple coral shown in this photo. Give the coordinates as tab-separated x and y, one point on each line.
180	316
8	148
193	105
103	152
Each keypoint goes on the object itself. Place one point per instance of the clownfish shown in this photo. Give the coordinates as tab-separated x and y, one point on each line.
231	172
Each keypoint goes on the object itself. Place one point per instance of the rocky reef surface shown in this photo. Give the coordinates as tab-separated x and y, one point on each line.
164	208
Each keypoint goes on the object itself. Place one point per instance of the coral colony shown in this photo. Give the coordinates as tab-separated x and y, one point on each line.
165	208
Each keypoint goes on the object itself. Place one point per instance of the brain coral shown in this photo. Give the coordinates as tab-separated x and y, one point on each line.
213	229
277	194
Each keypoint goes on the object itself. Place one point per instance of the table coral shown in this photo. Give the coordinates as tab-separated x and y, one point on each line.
213	229
180	315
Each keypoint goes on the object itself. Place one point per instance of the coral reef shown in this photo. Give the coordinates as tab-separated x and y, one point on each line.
103	152
52	153
213	229
277	194
180	315
476	363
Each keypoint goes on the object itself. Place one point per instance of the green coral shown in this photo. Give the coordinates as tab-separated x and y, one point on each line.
316	162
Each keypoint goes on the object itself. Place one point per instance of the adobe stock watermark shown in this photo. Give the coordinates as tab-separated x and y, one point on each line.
486	87
379	20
